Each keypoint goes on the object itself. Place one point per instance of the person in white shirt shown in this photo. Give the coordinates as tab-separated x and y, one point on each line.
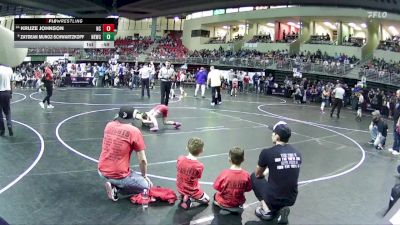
166	75
359	105
338	94
214	79
5	98
145	73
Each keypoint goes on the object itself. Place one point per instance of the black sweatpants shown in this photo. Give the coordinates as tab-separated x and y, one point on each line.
216	99
49	90
263	191
337	102
165	90
146	83
5	97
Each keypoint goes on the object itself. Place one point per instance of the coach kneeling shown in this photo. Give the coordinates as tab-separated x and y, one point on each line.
281	163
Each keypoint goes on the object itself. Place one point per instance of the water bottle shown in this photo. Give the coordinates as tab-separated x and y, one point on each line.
146	199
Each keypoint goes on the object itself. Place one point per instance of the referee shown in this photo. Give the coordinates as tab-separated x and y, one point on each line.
165	75
338	92
5	97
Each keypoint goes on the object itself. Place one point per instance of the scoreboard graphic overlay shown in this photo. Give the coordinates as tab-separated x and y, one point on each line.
64	33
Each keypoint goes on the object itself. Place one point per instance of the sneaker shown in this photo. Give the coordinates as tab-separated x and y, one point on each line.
212	104
379	147
41	104
10	131
219	103
395	152
2	132
112	192
177	125
371	142
283	215
154	129
390	150
264	215
50	107
186	202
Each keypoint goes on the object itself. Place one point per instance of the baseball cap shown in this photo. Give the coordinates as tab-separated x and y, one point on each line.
376	113
283	130
125	114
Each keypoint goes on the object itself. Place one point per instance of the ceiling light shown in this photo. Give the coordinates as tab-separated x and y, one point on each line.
352	24
176	18
363	25
393	30
271	24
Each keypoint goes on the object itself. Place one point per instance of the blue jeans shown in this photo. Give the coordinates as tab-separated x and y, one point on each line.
132	184
396	138
374	136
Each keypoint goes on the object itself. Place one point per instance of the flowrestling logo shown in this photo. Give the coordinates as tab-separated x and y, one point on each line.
377	14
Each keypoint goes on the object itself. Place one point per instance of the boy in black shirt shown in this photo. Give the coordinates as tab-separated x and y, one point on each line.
281	163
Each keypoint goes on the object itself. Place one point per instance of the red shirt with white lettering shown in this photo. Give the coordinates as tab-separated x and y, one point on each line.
231	186
119	141
161	109
188	174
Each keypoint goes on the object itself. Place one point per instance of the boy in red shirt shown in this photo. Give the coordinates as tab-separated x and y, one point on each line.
150	118
189	171
231	184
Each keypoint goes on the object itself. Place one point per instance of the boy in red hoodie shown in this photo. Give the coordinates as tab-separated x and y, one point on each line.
231	184
189	171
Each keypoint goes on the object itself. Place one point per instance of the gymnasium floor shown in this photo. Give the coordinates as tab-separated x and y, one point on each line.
48	170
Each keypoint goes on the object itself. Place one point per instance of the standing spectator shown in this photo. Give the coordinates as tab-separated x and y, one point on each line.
240	78
145	73
396	126
256	79
281	163
246	81
152	75
102	72
5	97
338	93
166	74
201	78
231	75
360	105
214	79
120	139
325	98
48	83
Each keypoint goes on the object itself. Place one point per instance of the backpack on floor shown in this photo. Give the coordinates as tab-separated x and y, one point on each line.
156	194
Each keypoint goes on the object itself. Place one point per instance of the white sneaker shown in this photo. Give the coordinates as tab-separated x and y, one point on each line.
50	107
212	103
41	104
112	192
396	153
390	150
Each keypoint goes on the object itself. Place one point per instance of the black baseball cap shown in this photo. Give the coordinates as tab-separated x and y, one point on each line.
282	130
125	114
